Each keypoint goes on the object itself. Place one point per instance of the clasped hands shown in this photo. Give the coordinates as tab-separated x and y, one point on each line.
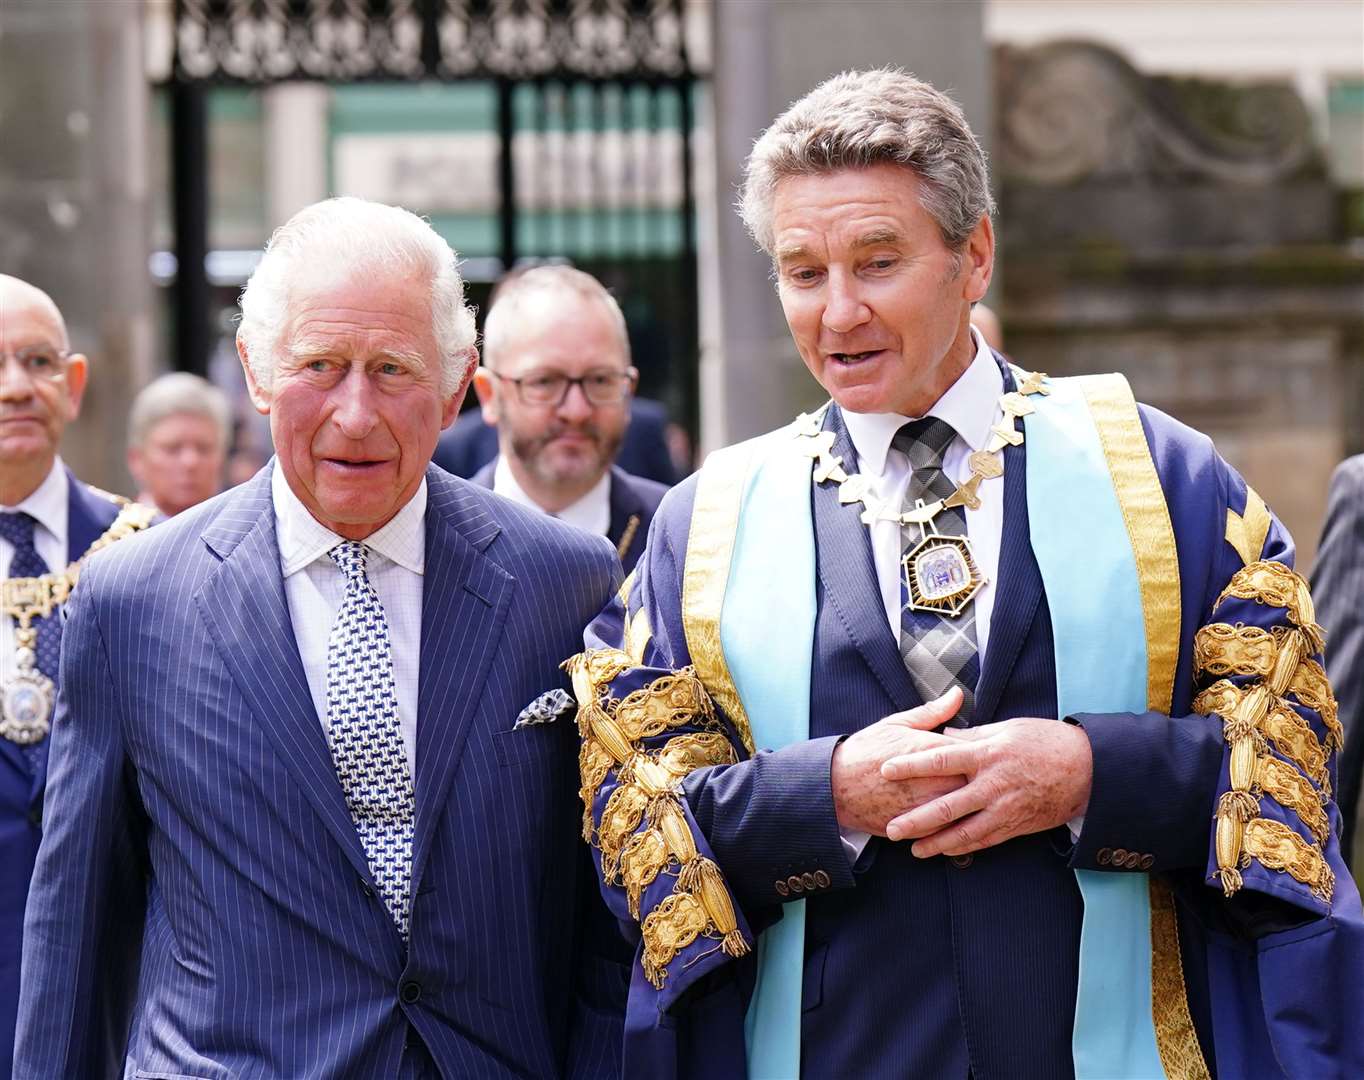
961	789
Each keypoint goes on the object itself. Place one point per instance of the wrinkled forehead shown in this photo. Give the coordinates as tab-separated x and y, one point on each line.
29	317
384	314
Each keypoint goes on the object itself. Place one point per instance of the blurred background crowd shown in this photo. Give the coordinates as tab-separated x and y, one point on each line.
1180	183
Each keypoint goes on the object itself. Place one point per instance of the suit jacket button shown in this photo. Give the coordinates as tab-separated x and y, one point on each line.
411	992
1133	860
1146	862
961	862
796	885
1104	856
782	888
1119	857
35	817
808	880
822	879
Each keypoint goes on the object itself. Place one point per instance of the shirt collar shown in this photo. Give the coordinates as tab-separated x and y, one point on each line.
303	539
970	405
48	504
592	512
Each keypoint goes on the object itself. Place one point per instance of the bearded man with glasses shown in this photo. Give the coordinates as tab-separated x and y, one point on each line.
556	382
48	521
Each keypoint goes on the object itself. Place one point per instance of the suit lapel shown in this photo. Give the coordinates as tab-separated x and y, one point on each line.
848	574
465	599
625	504
1018	586
87	517
247	614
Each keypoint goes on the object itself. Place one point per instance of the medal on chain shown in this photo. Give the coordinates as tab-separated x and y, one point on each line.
940	572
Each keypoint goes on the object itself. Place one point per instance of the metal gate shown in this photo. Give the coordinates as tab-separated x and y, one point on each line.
593	121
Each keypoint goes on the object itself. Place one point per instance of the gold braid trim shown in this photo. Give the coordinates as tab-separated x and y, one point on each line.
1258	715
1280	848
1176	1037
1275	585
644	829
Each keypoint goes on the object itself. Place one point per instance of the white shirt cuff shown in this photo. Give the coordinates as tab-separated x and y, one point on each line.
853	843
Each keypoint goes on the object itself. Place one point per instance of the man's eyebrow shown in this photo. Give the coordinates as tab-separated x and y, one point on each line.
308	349
877	236
795	251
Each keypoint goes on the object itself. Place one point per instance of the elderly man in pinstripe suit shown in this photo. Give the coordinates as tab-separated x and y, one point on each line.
297	825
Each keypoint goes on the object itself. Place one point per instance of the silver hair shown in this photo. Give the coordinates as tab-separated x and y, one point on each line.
368	239
174	395
863	118
520	284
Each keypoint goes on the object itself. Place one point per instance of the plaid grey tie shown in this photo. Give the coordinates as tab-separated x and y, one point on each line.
940	652
367	744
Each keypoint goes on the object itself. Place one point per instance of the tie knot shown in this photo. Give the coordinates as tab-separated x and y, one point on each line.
924	441
17	528
351	556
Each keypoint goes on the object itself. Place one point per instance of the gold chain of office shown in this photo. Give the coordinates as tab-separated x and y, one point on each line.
940	572
27	697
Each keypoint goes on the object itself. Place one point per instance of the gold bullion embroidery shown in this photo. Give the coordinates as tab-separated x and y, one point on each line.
1288	732
1222	649
1280	848
1246	532
1275	585
1291	790
1176	1037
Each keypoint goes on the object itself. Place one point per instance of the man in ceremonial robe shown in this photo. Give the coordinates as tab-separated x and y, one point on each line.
973	725
48	521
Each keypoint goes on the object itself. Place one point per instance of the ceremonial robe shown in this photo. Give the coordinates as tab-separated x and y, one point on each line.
936	967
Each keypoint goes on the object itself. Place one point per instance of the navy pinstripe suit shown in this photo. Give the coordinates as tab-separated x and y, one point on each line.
202	905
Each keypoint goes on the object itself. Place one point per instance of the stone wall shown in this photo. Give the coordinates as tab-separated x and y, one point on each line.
1184	233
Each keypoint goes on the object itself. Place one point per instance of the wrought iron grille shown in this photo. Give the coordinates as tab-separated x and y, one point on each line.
261	41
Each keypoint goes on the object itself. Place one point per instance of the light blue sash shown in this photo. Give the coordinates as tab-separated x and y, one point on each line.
1094	595
1093	592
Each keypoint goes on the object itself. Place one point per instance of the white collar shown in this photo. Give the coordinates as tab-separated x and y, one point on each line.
970	405
303	539
48	504
592	512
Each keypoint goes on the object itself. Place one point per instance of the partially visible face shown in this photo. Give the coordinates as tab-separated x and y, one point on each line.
180	463
355	405
878	305
570	445
34	410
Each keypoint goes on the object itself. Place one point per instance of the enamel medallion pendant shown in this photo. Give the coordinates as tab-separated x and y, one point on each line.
941	574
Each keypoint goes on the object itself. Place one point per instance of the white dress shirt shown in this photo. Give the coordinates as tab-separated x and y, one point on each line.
314	587
592	512
49	507
971	406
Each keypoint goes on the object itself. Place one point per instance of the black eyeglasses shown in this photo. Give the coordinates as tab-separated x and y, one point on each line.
606	387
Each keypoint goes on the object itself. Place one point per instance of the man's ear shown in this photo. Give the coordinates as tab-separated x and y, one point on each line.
260	396
77	372
980	260
450	409
485	386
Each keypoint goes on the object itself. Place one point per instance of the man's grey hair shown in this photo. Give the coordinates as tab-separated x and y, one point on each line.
178	394
369	240
519	288
863	118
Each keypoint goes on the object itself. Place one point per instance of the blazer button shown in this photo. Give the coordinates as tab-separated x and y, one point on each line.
1119	857
822	879
1146	862
1133	860
782	888
1104	856
795	884
411	992
808	880
961	862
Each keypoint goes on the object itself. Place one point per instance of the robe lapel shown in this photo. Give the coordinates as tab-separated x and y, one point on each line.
848	574
247	614
465	599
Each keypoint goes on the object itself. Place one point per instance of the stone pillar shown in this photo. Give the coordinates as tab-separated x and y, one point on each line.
767	54
295	148
74	199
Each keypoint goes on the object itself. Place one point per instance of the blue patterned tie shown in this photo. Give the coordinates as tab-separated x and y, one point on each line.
17	528
939	651
366	741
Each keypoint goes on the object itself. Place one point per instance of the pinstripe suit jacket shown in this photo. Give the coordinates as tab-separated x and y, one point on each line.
202	905
22	778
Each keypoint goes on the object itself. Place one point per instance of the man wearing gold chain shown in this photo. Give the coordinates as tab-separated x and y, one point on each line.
48	521
827	881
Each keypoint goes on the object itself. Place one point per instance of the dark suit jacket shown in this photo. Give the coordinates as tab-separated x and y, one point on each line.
469	444
1338	591
633	502
21	788
201	886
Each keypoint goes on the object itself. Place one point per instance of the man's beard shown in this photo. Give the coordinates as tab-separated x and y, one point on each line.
587	465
